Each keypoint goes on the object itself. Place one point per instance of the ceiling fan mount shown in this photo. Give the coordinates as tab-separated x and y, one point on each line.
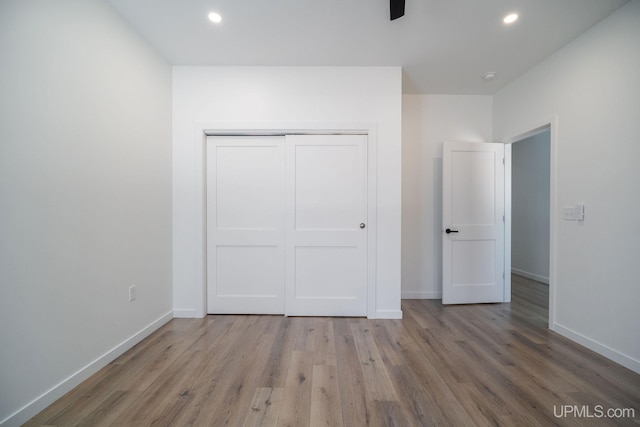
397	8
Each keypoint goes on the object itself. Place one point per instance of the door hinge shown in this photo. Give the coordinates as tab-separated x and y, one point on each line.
502	218
503	160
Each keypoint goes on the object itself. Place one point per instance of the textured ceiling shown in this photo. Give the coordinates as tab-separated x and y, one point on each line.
443	46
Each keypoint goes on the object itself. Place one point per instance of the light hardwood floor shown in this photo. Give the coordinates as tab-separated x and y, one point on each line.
491	364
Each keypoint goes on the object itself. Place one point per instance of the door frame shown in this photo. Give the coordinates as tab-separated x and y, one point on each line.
534	129
204	129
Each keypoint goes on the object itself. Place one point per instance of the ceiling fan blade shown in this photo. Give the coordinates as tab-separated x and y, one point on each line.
397	8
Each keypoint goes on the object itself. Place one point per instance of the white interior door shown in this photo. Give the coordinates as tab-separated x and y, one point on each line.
245	225
326	234
473	223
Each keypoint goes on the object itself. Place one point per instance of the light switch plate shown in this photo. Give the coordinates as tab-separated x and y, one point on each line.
568	214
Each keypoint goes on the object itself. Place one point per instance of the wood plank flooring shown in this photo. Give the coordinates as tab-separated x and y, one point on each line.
478	365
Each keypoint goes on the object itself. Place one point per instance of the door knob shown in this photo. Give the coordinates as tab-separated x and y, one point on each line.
448	230
362	225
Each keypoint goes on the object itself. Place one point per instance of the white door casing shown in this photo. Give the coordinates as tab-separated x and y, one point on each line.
473	213
326	216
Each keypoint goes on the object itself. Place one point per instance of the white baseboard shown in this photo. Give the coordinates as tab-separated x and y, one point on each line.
608	352
388	314
530	275
421	295
185	313
47	398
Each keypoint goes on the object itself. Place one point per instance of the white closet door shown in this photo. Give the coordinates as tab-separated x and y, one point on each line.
326	234
245	225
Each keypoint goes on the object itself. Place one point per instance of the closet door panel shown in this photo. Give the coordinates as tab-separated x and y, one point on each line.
245	225
326	236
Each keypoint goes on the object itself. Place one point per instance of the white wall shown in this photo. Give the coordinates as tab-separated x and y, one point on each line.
427	121
592	87
530	202
85	195
242	95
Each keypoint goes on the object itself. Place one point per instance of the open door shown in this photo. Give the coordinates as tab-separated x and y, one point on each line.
472	223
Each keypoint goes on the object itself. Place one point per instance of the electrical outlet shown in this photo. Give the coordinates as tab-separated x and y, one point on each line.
133	293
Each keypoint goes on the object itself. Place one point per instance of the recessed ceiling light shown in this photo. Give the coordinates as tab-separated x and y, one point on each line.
510	18
215	17
490	75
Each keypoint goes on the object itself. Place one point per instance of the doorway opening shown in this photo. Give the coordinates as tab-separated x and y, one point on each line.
530	224
530	201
